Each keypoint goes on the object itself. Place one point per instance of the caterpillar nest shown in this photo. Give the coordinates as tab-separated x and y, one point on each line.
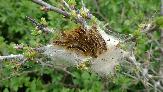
76	47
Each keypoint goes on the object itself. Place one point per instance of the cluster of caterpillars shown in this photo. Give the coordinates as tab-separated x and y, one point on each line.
86	42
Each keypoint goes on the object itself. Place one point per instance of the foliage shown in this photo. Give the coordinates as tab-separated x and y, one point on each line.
123	16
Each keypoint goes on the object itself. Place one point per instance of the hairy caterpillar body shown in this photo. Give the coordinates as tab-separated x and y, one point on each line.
86	42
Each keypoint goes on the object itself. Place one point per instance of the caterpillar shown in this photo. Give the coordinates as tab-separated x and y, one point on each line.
87	42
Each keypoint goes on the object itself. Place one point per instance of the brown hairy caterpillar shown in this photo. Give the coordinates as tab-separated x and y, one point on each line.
86	42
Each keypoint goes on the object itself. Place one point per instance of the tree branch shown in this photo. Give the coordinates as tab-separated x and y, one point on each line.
51	8
40	26
78	18
11	57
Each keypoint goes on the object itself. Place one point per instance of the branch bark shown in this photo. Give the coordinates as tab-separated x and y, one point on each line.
51	8
11	57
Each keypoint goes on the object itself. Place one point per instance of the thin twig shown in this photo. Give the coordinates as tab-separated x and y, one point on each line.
50	7
39	26
66	4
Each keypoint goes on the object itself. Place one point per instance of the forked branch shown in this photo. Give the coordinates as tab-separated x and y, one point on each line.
78	15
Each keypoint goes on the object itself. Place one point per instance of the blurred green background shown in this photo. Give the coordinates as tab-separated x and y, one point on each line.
123	16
